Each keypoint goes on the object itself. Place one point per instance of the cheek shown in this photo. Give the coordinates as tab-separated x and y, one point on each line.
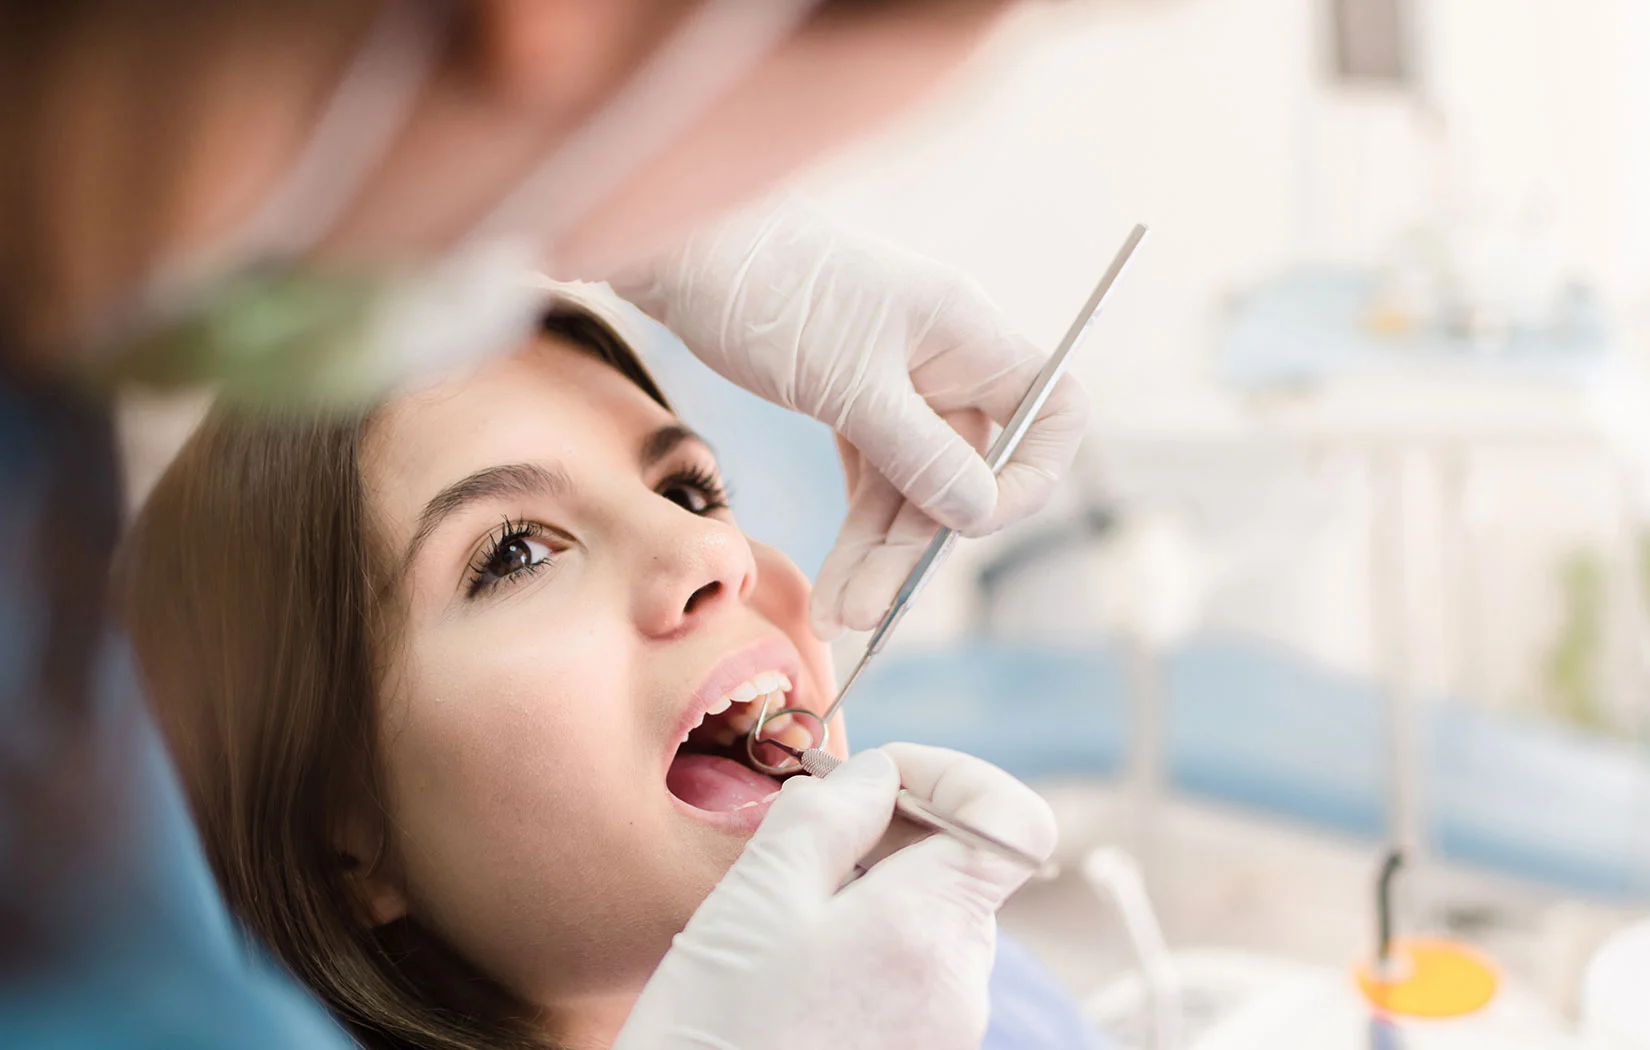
501	749
781	596
492	723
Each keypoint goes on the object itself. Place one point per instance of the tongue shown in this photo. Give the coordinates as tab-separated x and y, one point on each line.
715	783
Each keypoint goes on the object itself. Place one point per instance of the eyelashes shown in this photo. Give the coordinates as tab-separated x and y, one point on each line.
519	549
705	488
515	549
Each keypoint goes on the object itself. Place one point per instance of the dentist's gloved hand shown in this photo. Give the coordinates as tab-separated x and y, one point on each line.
896	353
778	955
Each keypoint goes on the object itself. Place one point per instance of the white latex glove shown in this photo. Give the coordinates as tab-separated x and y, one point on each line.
885	346
778	955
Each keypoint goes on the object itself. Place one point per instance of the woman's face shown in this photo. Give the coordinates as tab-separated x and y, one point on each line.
575	596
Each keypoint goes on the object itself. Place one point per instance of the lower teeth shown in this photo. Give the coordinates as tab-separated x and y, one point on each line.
758	802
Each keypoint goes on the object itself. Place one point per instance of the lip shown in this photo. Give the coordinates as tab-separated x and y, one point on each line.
776	653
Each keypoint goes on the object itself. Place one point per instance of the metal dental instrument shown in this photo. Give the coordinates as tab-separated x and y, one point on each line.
817	763
1001	451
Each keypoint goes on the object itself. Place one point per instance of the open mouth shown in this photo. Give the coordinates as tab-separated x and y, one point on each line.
711	770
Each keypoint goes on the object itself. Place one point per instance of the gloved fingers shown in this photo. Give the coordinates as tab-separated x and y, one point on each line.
903	438
978	792
978	360
990	369
872	509
982	795
853	464
817	829
882	539
883	567
973	425
1029	478
972	357
940	874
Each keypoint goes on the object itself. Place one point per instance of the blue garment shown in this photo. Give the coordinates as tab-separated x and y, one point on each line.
1029	1011
112	934
151	959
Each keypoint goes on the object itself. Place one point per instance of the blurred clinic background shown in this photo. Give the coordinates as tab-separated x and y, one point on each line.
1358	552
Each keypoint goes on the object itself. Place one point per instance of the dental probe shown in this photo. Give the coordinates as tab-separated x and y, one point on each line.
817	763
1001	451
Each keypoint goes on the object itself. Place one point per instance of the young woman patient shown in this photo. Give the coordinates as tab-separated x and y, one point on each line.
455	688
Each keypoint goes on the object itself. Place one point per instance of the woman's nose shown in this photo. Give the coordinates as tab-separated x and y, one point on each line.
691	574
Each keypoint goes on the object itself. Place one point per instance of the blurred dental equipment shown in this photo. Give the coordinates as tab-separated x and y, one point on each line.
1615	1013
943	540
817	763
1384	966
1417	978
1432	993
1112	872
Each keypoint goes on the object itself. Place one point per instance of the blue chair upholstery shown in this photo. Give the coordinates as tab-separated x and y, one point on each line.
1260	727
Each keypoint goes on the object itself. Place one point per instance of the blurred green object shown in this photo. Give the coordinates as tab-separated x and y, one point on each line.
266	338
1572	666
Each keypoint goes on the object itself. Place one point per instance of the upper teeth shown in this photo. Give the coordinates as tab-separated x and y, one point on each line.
747	691
761	685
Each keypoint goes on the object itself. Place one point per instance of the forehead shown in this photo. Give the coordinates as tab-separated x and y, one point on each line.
548	402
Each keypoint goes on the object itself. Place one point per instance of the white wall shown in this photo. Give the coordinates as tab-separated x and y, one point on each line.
1215	122
1081	120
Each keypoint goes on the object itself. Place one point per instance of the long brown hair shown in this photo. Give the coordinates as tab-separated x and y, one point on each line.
261	609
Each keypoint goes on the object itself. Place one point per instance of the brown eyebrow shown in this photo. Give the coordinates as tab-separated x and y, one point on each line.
511	479
663	442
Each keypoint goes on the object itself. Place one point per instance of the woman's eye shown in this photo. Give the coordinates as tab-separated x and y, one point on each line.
514	555
696	490
689	498
517	550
